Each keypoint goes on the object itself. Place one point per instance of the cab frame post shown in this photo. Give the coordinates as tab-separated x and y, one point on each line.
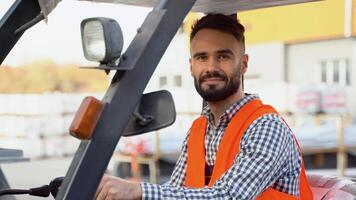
141	58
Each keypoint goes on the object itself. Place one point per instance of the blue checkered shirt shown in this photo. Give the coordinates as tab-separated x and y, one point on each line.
269	157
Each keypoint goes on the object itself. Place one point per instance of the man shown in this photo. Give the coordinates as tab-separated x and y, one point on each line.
239	148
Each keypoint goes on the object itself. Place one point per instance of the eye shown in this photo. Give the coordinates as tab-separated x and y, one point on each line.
223	57
201	57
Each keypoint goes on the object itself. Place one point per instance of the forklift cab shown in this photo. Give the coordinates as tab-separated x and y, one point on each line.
124	110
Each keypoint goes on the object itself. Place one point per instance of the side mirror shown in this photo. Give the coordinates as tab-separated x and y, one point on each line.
102	40
156	110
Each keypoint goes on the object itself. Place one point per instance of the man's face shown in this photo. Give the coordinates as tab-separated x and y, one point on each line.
217	63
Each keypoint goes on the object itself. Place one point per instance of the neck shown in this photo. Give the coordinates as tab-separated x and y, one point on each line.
219	107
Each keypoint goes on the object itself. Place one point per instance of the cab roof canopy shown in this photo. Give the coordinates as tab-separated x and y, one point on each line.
215	6
204	6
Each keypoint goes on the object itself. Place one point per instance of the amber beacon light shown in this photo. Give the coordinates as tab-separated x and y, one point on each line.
86	118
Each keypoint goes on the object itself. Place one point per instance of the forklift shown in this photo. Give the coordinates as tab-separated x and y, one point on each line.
124	109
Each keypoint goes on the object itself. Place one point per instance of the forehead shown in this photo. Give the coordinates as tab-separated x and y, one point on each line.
209	40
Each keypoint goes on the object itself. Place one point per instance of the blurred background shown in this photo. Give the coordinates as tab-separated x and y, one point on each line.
302	61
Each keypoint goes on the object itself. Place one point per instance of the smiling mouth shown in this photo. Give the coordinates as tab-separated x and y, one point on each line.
213	80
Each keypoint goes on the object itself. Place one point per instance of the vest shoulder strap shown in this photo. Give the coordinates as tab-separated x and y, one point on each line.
195	169
230	144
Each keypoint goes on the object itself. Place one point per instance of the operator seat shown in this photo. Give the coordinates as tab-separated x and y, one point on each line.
332	188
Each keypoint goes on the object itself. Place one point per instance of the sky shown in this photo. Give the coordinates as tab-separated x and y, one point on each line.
59	39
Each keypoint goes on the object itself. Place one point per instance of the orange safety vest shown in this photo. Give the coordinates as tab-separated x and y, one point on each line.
229	147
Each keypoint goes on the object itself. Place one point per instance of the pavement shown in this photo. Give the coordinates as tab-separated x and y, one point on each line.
25	175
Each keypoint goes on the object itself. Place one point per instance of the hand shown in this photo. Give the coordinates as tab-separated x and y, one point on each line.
114	188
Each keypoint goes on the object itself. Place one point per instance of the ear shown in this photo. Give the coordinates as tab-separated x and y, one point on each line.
190	65
244	63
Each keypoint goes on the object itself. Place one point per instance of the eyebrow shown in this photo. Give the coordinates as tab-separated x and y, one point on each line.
222	51
225	51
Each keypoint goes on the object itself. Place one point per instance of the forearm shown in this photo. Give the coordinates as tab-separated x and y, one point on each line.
152	191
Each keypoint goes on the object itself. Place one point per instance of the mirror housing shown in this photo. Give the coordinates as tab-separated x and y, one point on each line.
155	111
102	39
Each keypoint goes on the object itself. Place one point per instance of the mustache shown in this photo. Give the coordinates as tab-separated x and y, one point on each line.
212	74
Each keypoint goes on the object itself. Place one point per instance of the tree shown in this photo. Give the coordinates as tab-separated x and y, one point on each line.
47	76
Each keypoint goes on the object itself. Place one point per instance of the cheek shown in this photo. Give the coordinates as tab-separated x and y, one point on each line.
195	70
194	74
228	68
233	71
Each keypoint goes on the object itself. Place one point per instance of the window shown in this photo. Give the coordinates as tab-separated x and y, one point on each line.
335	72
177	80
162	81
323	72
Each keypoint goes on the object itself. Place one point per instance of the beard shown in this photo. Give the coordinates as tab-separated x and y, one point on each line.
215	93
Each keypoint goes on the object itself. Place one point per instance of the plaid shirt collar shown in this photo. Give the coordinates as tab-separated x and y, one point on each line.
231	111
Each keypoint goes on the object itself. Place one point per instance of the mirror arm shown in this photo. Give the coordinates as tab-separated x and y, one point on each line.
143	120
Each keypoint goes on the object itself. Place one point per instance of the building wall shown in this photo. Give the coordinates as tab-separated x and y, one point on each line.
352	99
175	63
266	62
353	17
304	61
295	23
276	70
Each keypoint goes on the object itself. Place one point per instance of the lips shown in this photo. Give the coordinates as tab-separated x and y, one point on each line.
212	77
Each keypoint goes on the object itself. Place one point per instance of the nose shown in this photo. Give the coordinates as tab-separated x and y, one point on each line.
213	63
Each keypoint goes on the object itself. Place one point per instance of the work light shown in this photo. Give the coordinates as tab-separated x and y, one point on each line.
102	39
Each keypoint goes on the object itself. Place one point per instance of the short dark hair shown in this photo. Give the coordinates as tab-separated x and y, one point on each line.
220	22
